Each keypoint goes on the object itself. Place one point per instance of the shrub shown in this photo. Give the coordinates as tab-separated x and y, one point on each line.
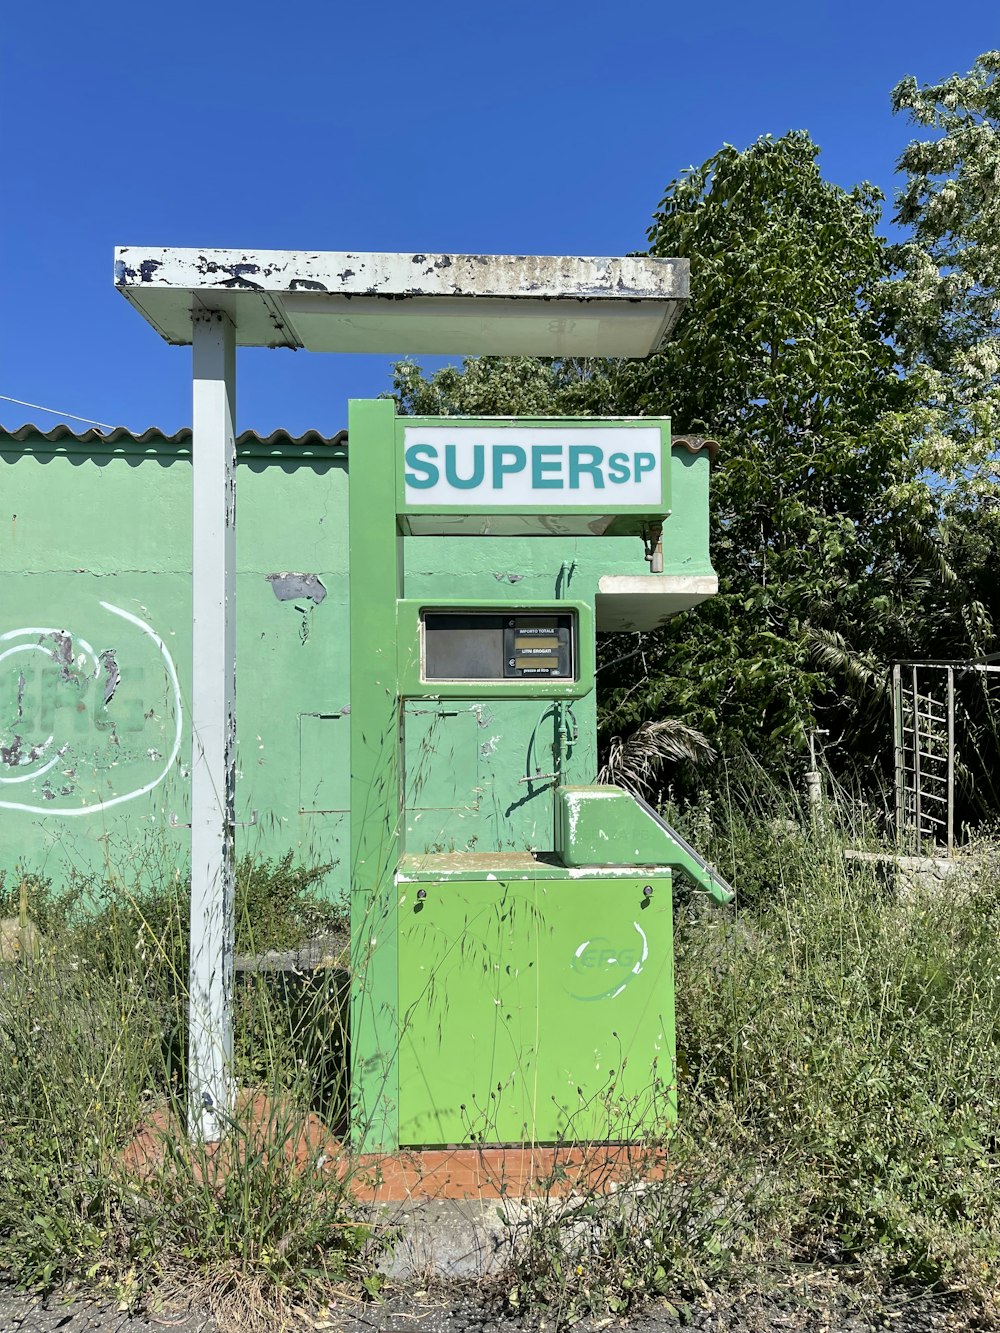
92	1039
839	1083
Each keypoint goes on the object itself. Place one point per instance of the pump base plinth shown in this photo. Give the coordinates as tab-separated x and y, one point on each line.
266	1129
488	1172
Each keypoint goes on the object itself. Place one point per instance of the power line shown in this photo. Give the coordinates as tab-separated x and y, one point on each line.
37	407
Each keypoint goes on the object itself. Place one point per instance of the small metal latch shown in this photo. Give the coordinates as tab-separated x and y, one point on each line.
538	777
652	541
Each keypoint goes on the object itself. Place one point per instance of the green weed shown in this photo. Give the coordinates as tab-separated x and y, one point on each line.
92	1043
838	1083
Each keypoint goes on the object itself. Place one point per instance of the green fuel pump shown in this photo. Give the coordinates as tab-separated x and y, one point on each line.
501	994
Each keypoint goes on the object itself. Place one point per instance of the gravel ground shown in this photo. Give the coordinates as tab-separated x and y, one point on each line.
818	1303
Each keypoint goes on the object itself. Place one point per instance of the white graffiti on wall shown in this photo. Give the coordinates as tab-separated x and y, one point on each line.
80	668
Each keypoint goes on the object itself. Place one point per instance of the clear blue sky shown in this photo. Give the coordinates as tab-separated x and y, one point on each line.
545	127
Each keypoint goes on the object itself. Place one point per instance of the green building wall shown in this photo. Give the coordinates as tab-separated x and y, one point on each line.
95	658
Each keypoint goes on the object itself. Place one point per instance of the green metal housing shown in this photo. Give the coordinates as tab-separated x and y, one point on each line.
500	992
602	825
535	1009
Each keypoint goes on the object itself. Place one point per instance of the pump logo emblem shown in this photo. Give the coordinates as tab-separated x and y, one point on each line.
602	968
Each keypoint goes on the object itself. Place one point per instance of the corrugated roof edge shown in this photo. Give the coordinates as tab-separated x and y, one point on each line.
694	444
249	438
120	435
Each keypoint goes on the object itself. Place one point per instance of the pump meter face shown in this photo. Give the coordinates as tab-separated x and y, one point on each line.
487	645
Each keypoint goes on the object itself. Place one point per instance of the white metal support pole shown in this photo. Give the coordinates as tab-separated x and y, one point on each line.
213	726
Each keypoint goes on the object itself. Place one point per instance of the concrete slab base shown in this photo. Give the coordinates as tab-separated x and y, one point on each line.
448	1238
909	872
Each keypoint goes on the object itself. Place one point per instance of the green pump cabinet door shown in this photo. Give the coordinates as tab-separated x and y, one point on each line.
535	1011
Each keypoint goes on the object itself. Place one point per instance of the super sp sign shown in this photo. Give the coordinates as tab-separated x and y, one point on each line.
506	467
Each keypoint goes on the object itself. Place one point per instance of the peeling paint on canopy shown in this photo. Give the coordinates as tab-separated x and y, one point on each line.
335	301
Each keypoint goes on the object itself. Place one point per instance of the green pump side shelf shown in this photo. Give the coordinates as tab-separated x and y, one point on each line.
603	825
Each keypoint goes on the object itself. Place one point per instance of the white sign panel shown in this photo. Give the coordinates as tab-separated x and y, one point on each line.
504	467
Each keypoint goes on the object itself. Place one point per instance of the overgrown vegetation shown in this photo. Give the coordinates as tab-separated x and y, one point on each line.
277	906
839	1051
839	1085
92	1042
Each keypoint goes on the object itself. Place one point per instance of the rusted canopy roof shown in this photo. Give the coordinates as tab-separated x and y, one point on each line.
333	301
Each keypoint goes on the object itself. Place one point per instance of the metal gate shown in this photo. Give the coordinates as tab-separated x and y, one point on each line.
923	710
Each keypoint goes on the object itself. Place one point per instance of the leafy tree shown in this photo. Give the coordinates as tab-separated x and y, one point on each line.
946	297
502	386
945	303
782	356
824	538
